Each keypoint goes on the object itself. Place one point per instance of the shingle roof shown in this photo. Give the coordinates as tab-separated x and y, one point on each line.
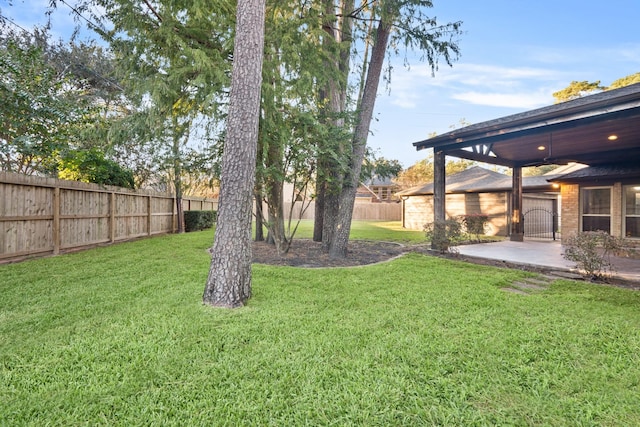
480	180
616	171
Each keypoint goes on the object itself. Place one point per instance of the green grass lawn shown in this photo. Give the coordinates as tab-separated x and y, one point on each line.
369	230
119	336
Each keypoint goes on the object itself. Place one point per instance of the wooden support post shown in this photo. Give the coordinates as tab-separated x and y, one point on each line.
55	229
439	194
517	220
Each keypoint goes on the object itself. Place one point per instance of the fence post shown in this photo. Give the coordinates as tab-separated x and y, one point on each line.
149	213
174	217
112	217
55	229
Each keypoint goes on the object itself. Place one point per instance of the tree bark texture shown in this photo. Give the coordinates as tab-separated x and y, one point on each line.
318	219
334	97
259	237
229	280
338	247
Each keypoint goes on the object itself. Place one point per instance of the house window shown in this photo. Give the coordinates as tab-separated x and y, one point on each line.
632	211
596	209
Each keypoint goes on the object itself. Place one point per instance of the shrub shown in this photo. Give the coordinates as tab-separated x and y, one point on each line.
92	166
443	234
475	223
199	220
591	251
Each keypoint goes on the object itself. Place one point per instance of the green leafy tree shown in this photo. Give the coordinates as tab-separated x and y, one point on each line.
379	167
625	81
577	89
92	166
291	126
174	59
422	171
41	109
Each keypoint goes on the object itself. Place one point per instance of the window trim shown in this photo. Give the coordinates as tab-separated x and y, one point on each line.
581	206
624	211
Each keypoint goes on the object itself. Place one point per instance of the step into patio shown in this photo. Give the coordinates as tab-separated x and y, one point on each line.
530	285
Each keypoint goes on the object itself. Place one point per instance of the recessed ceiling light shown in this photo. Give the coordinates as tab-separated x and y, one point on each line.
612	137
541	147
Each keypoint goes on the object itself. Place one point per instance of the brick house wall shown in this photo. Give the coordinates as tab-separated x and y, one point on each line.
570	211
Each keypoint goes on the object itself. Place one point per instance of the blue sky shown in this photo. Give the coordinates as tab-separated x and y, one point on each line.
514	55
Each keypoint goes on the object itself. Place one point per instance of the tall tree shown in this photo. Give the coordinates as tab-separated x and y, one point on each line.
229	280
290	127
346	200
337	43
172	56
395	23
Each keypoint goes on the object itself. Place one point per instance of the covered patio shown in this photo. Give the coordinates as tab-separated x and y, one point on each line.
595	130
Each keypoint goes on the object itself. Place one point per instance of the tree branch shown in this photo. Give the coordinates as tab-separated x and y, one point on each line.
157	15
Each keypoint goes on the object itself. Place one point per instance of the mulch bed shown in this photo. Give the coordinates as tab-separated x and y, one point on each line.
309	254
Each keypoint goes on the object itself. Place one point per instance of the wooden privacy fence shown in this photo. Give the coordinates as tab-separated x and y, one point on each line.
362	211
43	216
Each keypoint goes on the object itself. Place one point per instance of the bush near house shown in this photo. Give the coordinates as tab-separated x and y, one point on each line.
591	251
475	223
444	234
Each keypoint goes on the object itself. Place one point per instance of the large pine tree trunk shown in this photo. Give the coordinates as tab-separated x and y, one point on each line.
229	281
318	219
338	246
334	97
259	237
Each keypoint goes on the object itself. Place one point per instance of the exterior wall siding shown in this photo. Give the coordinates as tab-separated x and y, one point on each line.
418	210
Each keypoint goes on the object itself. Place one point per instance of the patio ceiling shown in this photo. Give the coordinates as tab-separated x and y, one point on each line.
572	131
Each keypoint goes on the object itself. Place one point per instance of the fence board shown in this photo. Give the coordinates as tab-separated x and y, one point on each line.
43	216
362	211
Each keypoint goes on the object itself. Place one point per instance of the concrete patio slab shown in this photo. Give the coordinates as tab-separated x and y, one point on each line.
543	253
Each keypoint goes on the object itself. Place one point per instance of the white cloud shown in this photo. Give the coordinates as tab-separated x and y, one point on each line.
521	100
478	84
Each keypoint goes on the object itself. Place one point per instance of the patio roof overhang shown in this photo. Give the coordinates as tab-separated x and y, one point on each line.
581	130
